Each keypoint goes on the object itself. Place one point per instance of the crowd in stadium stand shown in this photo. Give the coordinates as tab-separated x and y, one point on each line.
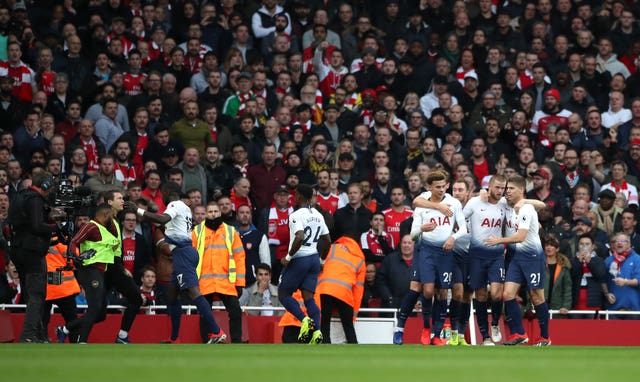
240	101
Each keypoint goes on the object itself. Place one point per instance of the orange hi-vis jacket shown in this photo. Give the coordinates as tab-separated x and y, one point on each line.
221	267
55	259
343	274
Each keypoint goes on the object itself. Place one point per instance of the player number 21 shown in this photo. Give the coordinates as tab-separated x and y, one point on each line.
307	236
535	278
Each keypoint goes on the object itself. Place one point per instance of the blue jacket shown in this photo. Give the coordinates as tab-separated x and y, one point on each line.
627	297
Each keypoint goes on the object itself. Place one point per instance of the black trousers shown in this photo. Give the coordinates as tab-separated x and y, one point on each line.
68	309
32	269
345	311
116	277
232	305
92	280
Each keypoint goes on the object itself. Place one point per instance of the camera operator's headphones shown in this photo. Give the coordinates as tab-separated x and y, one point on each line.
47	184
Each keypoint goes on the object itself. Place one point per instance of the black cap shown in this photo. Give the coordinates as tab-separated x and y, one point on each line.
440	79
281	188
246	75
332	106
169	151
584	220
607	194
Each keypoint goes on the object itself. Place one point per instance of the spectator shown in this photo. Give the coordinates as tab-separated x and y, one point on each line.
105	179
392	278
136	252
609	216
267	174
557	276
376	243
353	219
588	275
261	293
624	273
194	175
255	243
190	130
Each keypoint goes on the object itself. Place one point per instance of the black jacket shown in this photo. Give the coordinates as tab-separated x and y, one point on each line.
596	266
28	216
351	222
392	280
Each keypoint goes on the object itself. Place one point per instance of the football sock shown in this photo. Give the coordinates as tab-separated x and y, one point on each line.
204	308
65	330
465	311
439	316
513	316
427	310
454	314
175	313
122	334
542	312
496	312
408	302
292	306
483	318
313	311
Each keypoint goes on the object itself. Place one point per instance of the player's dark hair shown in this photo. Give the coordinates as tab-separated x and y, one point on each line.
436	176
305	190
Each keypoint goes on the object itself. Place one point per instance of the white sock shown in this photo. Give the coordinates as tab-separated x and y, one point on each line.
398	329
65	330
122	334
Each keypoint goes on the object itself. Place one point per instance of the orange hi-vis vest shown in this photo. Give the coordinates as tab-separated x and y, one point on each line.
289	319
343	273
55	259
221	267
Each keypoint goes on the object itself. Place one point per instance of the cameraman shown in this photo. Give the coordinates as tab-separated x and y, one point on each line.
28	215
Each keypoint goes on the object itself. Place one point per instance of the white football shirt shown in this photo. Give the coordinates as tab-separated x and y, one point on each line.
181	223
311	222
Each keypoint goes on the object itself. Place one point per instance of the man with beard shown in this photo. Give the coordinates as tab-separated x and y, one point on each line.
572	173
124	170
550	113
382	189
542	191
609	215
429	150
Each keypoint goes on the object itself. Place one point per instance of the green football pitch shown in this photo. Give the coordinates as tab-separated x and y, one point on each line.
330	363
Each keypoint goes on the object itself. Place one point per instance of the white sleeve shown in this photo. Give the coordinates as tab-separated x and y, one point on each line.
264	252
469	207
321	69
258	30
295	224
171	210
633	195
461	221
525	216
363	240
416	231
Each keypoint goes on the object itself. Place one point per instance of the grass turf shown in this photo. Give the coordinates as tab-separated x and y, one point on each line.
282	363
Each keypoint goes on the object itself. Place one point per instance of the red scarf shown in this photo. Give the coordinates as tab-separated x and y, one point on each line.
624	186
243	98
619	258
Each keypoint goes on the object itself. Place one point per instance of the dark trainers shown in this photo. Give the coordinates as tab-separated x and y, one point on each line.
217	338
124	341
61	335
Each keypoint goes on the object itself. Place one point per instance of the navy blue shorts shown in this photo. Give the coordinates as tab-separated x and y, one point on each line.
434	264
485	270
461	269
185	262
301	273
529	272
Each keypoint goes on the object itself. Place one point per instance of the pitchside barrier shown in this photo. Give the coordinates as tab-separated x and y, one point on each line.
585	327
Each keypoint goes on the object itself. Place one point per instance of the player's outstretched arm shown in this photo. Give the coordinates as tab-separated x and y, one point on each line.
421	202
154	217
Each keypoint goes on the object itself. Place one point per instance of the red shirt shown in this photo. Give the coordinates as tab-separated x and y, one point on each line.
91	151
369	240
129	252
46	82
132	83
481	170
278	233
329	203
156	198
124	173
392	221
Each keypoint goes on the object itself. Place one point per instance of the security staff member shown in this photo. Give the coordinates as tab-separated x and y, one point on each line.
221	269
102	235
120	279
28	215
64	294
341	286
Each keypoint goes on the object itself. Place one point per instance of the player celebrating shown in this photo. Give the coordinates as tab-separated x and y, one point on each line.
486	263
526	266
178	223
302	264
435	230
